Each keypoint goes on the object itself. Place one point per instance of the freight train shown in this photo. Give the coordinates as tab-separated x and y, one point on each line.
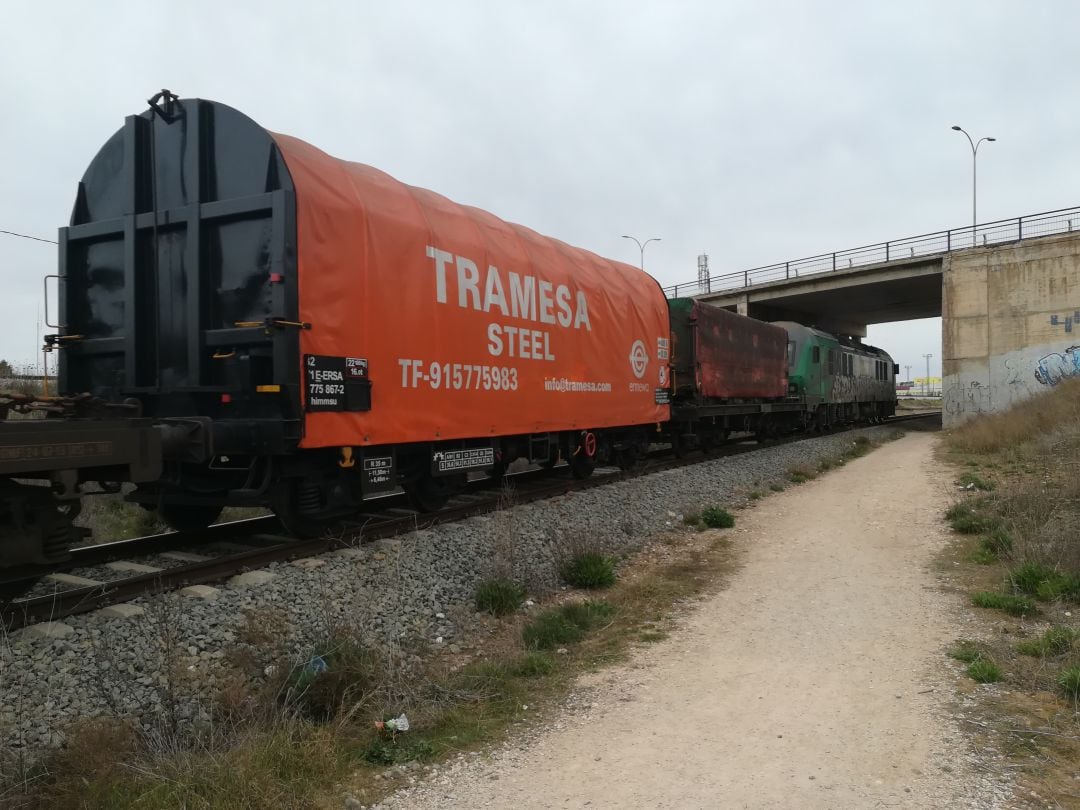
246	320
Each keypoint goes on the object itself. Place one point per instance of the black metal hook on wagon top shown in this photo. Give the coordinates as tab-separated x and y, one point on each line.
166	110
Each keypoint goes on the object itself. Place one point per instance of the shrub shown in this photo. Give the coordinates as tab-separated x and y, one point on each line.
1069	681
983	670
776	487
566	624
716	517
1054	641
589	570
756	496
326	681
1013	605
498	596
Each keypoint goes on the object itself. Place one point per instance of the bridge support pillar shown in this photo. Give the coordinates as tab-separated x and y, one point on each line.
1008	324
742	306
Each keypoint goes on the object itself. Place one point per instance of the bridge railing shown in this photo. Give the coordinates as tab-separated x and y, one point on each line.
998	232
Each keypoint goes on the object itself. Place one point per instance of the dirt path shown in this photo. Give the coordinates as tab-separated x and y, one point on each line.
815	679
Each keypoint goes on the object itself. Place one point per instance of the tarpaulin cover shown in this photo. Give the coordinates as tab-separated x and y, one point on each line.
470	326
736	357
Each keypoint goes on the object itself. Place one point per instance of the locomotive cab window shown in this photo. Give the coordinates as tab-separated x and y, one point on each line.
791	354
816	355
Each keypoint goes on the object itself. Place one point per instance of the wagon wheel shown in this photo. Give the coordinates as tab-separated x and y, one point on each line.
430	494
627	459
186	517
298	505
678	444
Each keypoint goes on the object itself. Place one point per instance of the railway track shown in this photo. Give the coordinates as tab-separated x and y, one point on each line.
117	572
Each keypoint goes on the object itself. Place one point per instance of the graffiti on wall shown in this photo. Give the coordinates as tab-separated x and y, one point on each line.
1067	320
1056	366
973	398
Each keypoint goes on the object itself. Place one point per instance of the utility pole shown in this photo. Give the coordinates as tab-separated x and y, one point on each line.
926	382
908	370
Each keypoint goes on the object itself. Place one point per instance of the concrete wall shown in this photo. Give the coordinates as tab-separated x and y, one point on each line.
1010	324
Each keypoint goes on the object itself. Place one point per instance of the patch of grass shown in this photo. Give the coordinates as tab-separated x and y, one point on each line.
692	517
801	474
287	767
498	596
966	651
756	496
1053	642
1044	582
566	624
533	665
776	487
589	570
652	635
716	517
1069	681
974	481
964	519
393	749
1013	605
983	670
860	446
998	540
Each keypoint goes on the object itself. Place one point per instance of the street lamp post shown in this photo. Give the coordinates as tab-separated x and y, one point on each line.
926	381
641	247
908	370
974	153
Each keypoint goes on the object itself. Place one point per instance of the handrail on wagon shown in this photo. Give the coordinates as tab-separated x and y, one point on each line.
1015	229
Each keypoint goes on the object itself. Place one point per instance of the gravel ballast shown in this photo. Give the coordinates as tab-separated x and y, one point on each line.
411	592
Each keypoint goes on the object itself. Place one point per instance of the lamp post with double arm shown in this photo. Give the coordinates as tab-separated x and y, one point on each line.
641	247
974	154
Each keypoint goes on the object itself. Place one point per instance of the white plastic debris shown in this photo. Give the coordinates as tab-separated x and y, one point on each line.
400	723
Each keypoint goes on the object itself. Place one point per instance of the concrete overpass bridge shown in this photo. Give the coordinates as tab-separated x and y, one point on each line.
1008	293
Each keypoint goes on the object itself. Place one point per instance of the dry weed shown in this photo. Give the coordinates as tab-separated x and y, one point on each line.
1041	420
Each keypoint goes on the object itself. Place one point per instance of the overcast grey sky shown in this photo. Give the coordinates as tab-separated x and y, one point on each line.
755	132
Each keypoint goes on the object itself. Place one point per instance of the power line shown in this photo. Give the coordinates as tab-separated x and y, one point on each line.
25	236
